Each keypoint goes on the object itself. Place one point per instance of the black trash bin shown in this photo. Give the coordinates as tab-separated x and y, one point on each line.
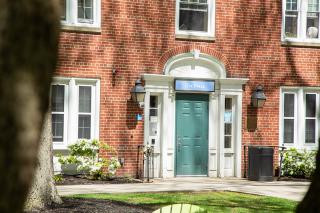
260	163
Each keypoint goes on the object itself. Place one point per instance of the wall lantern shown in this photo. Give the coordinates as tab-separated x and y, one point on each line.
138	93
258	98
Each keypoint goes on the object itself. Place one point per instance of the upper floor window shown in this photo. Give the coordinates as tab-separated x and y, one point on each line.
195	19
80	13
301	20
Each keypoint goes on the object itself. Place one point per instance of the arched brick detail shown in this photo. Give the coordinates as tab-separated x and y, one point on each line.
188	48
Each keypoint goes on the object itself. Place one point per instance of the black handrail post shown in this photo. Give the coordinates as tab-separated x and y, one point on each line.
281	157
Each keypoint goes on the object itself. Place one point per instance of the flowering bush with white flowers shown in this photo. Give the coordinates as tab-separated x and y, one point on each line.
300	164
85	155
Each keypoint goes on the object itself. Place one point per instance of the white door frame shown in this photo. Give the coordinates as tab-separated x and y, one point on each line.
203	67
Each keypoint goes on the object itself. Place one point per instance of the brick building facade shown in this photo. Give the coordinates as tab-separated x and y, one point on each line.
106	45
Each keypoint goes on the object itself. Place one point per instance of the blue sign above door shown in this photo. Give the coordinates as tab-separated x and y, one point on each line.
194	85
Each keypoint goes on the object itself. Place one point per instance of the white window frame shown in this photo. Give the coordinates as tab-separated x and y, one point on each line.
300	116
233	106
188	34
316	118
72	109
302	7
92	113
294	118
72	16
65	115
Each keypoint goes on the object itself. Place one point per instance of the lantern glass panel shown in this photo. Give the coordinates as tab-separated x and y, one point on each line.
140	97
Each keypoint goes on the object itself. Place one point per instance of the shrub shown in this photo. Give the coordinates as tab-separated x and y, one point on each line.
299	164
85	155
57	178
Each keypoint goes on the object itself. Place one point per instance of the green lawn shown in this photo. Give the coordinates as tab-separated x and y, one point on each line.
211	201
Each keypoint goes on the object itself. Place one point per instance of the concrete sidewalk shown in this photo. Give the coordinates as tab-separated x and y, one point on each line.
282	189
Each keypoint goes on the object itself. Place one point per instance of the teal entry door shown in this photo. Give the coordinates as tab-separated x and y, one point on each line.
191	134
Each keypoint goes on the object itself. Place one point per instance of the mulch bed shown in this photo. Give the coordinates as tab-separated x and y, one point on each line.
95	206
294	179
82	180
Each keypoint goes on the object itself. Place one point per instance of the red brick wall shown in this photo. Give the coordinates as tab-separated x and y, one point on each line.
137	36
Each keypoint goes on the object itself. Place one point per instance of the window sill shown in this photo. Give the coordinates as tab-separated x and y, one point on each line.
75	28
195	37
59	146
301	43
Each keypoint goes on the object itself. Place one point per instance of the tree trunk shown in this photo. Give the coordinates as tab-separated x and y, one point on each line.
311	201
43	191
28	54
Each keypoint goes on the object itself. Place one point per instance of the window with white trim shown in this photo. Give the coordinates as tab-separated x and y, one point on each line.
301	20
289	117
228	115
84	114
58	93
80	13
299	117
310	118
195	18
75	110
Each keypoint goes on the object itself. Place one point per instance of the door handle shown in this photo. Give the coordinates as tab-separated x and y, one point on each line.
179	144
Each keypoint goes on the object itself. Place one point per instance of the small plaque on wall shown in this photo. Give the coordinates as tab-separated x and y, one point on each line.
252	123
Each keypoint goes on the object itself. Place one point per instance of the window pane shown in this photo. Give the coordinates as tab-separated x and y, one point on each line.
85	10
288	105
57	98
310	105
193	17
310	131
291	24
88	13
291	5
81	3
313	6
153	101
57	127
63	9
85	99
227	129
84	126
227	141
288	130
228	104
80	12
153	112
88	3
312	25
